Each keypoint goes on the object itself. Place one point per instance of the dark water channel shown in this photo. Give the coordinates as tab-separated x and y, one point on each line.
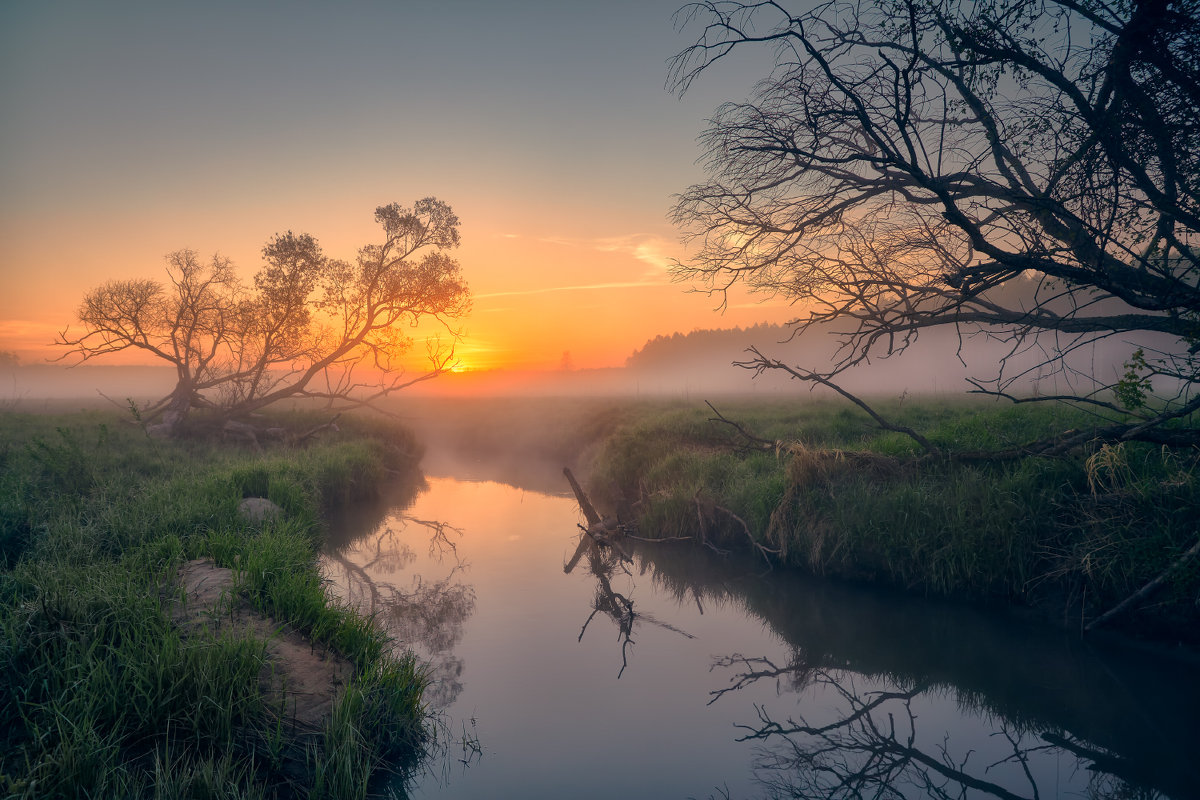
684	674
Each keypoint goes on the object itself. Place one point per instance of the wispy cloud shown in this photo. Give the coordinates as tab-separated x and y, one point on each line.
654	251
10	327
473	345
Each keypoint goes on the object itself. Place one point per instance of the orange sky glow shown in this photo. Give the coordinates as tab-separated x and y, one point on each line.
546	126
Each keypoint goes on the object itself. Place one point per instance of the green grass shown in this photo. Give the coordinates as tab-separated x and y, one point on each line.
104	694
840	497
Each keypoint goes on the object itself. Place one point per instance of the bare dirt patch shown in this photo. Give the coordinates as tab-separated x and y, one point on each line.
299	676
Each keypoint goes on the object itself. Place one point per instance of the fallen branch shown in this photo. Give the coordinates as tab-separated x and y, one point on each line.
1147	590
585	505
605	533
585	544
763	550
602	531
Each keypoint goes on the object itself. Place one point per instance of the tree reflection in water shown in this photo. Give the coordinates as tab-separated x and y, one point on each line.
870	746
606	559
428	615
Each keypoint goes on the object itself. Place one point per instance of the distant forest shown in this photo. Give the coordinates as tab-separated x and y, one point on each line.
703	361
709	345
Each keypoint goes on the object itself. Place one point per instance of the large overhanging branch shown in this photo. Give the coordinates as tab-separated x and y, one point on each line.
903	167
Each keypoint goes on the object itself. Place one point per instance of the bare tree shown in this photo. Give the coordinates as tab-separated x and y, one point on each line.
309	326
1026	170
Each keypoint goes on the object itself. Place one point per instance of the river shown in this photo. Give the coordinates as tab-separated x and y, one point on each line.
683	673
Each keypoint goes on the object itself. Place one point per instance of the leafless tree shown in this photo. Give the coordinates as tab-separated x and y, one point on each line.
308	327
1024	170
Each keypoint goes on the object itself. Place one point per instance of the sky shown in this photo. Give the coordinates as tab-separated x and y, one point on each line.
133	129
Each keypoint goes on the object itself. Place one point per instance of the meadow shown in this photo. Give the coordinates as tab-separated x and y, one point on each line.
108	695
105	695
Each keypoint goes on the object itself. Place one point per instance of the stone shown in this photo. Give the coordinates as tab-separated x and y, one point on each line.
259	509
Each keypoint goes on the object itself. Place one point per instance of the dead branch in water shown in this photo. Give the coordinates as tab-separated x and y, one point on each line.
608	532
602	530
585	544
585	505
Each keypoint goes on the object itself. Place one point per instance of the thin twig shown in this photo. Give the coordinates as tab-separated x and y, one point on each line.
764	444
812	377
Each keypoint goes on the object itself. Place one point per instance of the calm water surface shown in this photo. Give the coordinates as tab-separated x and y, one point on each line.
680	673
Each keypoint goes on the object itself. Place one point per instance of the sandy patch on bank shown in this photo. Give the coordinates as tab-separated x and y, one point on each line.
301	676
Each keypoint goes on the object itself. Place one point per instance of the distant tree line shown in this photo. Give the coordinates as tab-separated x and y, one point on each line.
665	351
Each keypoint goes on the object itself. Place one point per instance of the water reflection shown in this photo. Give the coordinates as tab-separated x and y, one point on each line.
1043	713
870	743
605	560
839	691
1118	722
423	614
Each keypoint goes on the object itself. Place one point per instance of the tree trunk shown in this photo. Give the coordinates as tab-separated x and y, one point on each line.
175	413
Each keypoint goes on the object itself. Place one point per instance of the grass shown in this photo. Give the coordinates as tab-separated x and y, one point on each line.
105	695
838	496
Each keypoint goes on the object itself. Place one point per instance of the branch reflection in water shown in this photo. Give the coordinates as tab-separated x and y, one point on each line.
867	743
426	616
605	559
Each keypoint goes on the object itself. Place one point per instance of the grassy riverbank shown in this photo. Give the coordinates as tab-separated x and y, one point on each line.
105	694
838	496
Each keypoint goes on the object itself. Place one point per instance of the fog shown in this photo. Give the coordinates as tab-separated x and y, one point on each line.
702	364
691	366
31	386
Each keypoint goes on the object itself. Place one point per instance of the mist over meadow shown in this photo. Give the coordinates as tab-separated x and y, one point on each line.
691	365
